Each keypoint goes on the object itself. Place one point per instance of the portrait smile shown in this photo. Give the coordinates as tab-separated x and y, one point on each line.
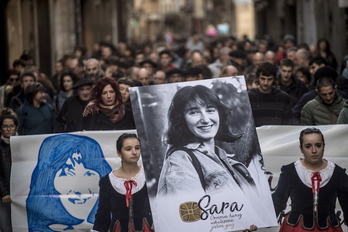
202	120
79	198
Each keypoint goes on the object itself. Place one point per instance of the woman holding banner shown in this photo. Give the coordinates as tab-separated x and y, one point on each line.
194	166
8	128
313	185
64	184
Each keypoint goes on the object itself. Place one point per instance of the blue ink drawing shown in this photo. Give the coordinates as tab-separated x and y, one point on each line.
64	184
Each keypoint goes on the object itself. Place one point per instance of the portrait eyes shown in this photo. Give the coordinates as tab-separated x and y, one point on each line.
195	111
318	145
89	173
130	148
211	109
192	111
309	146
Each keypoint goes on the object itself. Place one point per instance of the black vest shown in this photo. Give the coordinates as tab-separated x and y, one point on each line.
302	200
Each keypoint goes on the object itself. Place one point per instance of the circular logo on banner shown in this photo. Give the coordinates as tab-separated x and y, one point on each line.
190	212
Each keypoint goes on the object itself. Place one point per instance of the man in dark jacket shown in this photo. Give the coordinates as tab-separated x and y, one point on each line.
287	81
70	117
270	106
35	116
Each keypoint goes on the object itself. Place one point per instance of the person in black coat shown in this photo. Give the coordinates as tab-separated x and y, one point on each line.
70	118
106	110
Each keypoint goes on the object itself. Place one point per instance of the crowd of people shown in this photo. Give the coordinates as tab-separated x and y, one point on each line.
288	84
287	73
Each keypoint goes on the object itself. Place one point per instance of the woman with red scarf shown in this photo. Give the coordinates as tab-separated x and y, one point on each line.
106	110
123	193
313	185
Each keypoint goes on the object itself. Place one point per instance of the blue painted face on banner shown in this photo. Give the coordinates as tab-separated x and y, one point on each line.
64	187
77	185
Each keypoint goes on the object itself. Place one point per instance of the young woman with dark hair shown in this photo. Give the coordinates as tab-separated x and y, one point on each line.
67	81
324	50
123	193
313	184
124	85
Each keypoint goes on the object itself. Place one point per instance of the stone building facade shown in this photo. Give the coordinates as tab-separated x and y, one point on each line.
48	29
307	20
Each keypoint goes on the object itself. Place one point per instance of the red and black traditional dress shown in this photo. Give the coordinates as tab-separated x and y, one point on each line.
123	205
313	197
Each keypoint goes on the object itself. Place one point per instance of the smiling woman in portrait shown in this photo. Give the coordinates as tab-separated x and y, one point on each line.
196	118
64	186
195	166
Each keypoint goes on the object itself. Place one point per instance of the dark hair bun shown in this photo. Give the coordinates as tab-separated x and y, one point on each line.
7	111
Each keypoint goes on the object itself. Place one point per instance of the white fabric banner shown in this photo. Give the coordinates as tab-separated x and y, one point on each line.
54	180
279	146
204	171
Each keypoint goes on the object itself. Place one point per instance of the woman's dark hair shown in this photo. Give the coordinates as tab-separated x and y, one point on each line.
8	113
122	138
205	71
100	85
327	48
305	71
82	49
178	133
73	77
126	81
32	90
307	131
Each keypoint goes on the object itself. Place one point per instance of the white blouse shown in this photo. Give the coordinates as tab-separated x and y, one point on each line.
306	174
118	183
